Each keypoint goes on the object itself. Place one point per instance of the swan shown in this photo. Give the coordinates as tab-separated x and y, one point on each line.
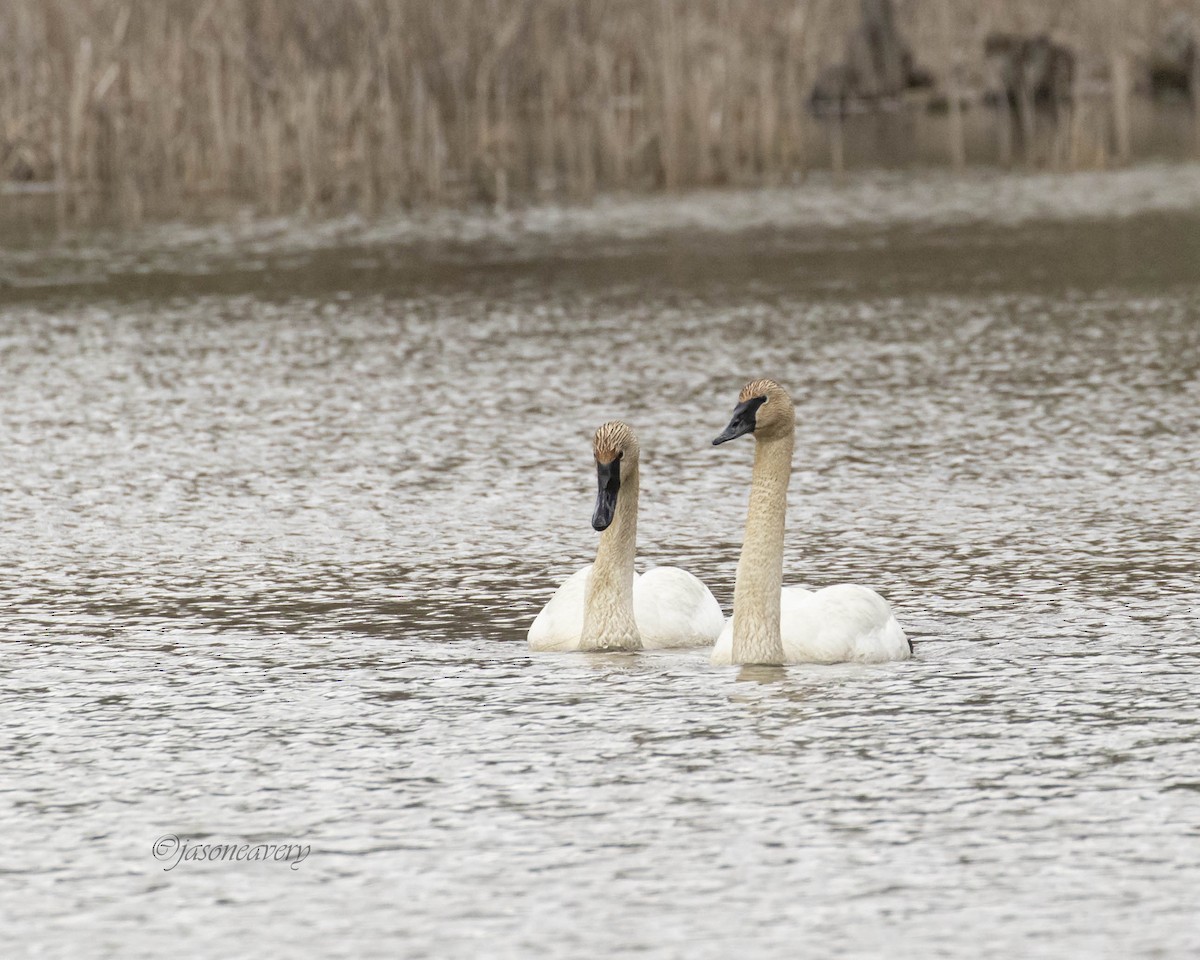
606	606
772	624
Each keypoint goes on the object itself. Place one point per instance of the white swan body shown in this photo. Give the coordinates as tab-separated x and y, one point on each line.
671	608
606	605
772	624
839	624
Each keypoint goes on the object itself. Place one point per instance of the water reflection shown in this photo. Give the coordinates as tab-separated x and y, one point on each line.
760	673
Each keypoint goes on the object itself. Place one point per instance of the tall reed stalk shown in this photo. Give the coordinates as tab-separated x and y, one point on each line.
152	108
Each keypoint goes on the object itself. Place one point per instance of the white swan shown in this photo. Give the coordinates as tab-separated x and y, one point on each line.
606	606
772	624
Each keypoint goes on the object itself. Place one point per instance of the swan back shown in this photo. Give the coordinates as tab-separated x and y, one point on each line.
839	624
674	609
559	624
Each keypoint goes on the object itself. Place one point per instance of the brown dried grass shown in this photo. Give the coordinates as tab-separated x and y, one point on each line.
156	108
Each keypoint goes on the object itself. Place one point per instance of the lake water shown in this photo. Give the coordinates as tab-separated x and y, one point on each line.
277	507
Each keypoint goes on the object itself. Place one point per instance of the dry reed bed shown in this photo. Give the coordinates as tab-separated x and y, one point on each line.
152	108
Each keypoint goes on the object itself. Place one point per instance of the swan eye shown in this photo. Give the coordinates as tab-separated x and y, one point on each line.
621	455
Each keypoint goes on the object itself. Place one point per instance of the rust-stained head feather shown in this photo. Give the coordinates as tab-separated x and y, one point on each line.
614	439
762	387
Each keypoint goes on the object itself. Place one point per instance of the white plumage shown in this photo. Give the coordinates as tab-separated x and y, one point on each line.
671	607
838	624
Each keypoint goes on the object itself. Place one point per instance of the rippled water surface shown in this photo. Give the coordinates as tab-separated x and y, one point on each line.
274	521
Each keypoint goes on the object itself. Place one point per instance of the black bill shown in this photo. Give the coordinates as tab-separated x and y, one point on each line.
608	477
742	421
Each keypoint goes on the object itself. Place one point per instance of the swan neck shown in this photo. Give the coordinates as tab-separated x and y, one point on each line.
756	595
608	621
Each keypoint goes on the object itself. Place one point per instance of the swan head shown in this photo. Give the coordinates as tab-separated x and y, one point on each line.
763	409
615	448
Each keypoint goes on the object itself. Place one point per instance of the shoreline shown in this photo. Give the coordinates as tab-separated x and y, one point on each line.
930	197
875	210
